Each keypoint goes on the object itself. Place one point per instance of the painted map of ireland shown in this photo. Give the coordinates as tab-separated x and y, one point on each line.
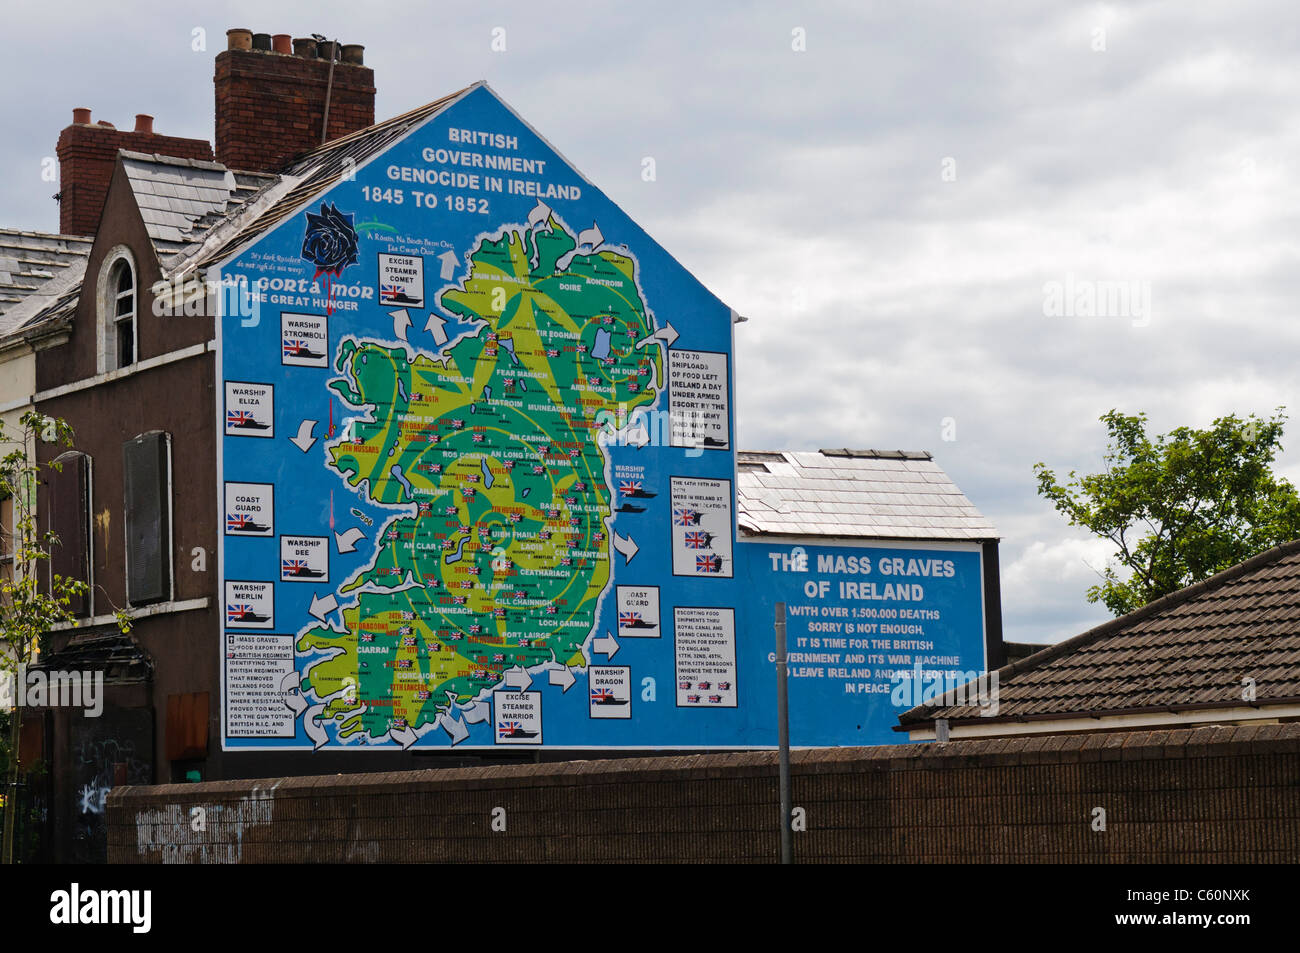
499	548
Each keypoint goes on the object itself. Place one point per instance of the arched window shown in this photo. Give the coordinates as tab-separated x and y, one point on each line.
118	296
122	281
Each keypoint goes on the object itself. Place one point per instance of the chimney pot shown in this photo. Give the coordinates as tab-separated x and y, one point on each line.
262	42
326	50
144	123
354	54
239	39
81	116
282	43
305	47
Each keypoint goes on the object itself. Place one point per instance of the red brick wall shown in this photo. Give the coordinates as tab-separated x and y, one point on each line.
87	154
270	106
1222	795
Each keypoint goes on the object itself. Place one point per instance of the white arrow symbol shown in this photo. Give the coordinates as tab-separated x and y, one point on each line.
315	730
637	437
292	696
401	321
518	678
667	335
607	646
435	326
404	736
449	263
320	608
626	546
454	727
347	541
590	236
540	213
562	676
477	712
304	440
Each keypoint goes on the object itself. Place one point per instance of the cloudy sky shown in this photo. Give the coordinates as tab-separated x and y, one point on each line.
888	191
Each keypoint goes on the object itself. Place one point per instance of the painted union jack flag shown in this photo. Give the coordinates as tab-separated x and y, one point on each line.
570	500
238	613
467	583
422	695
390	292
367	636
724	686
293	347
544	534
498	657
566	561
582	349
684	686
293	567
550	610
600	695
457	423
468	492
477	438
552	352
708	564
391	571
239	418
405	630
516	517
475	629
704	686
392	534
715	699
574	451
598	537
692	699
480	673
408	642
573	521
519	593
634	387
238	523
506	729
538	468
404	663
450	510
458	600
683	516
626	619
697	540
399	722
499	612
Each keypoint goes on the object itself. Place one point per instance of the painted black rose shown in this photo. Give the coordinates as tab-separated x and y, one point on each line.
331	241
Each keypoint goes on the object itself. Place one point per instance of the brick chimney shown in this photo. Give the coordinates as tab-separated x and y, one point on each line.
87	153
271	104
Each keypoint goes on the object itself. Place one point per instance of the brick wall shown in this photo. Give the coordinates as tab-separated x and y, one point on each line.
270	106
1200	795
87	153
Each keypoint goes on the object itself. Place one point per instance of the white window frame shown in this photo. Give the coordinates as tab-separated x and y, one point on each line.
106	357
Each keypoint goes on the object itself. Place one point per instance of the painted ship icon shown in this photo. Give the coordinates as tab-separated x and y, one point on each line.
243	420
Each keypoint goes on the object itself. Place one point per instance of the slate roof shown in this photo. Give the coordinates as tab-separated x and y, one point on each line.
181	199
889	494
30	259
1186	651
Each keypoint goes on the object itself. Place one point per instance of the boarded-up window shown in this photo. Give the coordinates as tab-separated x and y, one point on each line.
69	520
147	476
187	726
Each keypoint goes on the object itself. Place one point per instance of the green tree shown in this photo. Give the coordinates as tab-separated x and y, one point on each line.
28	609
1179	507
